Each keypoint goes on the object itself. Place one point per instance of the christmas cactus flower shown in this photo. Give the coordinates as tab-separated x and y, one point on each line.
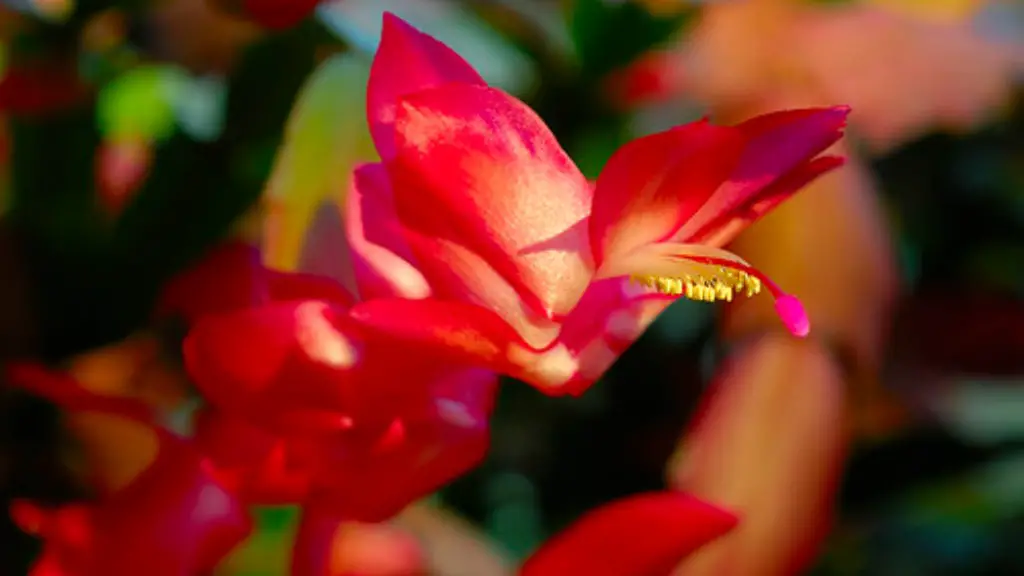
508	258
303	408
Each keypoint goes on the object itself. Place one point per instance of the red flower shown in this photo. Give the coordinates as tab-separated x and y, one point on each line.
303	407
640	535
173	519
509	259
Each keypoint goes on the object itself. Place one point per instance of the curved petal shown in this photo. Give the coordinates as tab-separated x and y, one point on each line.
705	274
777	144
653	185
724	229
68	393
639	535
479	169
407	61
381	257
286	366
469	335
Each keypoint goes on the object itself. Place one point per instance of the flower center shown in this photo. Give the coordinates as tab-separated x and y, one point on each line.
722	284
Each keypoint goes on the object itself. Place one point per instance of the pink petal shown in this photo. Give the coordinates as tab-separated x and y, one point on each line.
732	276
610	316
639	535
381	258
724	229
653	185
777	143
407	61
479	169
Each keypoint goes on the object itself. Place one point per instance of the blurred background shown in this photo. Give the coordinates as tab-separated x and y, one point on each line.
135	134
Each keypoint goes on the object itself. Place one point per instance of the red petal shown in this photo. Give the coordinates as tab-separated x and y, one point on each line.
381	257
640	535
173	519
173	516
422	451
721	231
229	277
283	366
407	61
653	185
67	393
478	169
453	331
777	143
256	466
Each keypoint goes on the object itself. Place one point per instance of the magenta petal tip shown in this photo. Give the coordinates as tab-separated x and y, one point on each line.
793	315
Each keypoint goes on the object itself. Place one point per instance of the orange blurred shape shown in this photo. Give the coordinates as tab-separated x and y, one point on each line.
902	73
104	31
326	546
769	443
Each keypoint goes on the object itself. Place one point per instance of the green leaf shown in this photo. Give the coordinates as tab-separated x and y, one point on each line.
140	103
326	135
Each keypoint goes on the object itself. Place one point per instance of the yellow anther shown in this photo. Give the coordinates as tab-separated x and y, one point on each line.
724	285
